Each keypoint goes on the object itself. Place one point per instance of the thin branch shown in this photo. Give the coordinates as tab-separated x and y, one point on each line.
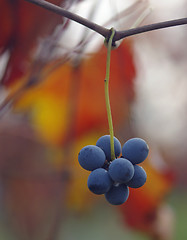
102	30
147	28
83	21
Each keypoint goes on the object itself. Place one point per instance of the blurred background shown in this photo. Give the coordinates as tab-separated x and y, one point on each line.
52	104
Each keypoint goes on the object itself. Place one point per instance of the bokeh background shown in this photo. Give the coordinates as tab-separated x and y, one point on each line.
52	104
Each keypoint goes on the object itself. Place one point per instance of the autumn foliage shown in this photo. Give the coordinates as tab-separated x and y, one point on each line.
67	108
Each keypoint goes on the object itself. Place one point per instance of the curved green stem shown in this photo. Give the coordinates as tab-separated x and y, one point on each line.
107	99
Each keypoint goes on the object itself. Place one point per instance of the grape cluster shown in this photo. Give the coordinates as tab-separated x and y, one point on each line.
114	177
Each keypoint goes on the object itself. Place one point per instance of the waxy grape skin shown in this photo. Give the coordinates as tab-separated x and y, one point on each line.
114	177
99	181
135	150
121	170
139	178
91	157
104	143
117	195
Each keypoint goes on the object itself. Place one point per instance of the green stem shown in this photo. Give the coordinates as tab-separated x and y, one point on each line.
107	99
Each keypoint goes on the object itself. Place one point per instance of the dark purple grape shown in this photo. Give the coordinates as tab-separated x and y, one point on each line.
99	181
121	170
117	195
139	178
91	157
135	150
104	143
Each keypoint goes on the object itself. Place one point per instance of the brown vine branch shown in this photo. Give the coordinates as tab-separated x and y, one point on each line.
147	28
104	31
60	11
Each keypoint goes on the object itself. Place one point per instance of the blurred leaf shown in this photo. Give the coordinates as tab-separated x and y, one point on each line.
19	34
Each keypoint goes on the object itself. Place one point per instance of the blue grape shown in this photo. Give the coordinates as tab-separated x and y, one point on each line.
135	150
117	194
121	170
99	181
91	157
104	143
139	178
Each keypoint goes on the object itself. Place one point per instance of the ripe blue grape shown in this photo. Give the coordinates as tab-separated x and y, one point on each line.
135	150
139	178
91	157
99	181
121	170
117	194
104	143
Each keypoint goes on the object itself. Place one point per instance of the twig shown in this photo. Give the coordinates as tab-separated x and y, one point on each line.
83	21
104	31
147	28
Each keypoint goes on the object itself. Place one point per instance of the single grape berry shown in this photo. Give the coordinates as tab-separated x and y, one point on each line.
91	157
104	143
121	170
135	150
99	181
139	178
117	194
